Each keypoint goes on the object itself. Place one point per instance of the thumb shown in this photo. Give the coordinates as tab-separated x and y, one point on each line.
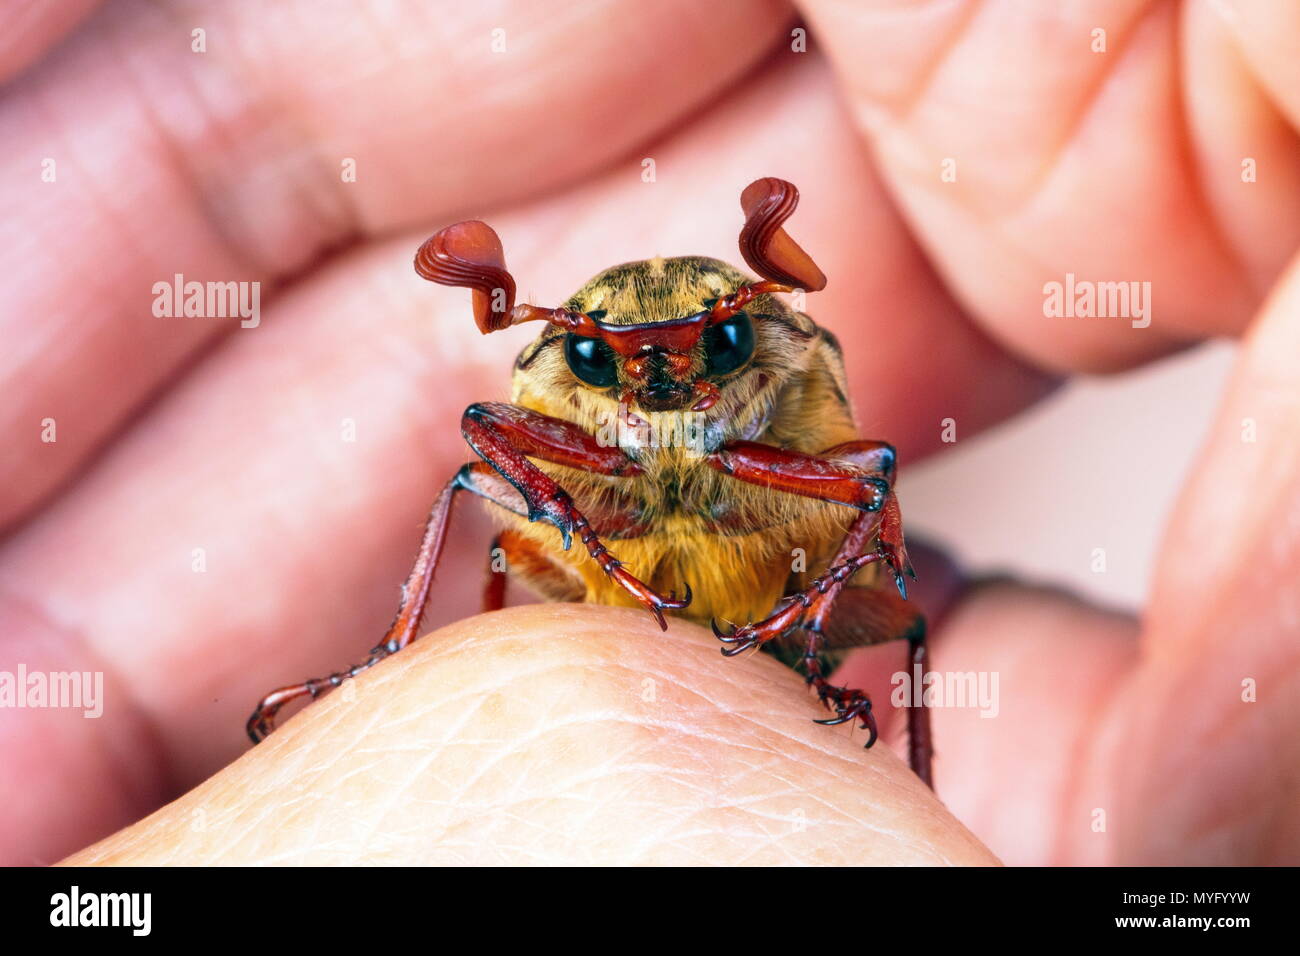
1215	703
557	734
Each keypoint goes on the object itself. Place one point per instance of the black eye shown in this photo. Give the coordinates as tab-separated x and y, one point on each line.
591	360
729	344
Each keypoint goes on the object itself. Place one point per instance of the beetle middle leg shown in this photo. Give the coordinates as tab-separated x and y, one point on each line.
528	560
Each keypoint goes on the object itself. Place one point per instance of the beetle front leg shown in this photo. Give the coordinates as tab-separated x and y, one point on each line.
858	474
505	435
866	483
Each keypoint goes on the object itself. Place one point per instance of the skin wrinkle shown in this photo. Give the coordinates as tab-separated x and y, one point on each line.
1216	212
234	239
1080	115
1003	221
921	86
1191	159
743	805
128	244
101	210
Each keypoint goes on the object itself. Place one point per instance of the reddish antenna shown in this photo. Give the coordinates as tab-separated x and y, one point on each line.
469	255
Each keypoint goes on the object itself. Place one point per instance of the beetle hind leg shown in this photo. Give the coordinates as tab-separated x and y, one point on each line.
403	630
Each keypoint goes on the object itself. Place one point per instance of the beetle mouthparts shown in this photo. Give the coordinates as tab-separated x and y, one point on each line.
665	397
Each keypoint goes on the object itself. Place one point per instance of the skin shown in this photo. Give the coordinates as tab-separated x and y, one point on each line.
606	742
184	434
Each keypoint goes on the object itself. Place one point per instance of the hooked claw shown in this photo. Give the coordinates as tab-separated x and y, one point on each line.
901	566
861	710
743	638
834	721
675	604
650	600
655	604
739	648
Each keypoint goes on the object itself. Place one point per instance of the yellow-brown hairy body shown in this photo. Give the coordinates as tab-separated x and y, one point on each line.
792	396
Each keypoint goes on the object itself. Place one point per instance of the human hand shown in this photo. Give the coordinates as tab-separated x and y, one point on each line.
184	434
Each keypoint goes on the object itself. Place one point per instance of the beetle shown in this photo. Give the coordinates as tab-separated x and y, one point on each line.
773	467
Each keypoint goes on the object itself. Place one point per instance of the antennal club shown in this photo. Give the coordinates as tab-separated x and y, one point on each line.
469	255
768	248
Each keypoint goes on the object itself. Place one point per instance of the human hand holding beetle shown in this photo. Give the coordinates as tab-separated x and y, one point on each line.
301	557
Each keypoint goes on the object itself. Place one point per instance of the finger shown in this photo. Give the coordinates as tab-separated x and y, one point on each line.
1265	33
29	30
557	735
1021	681
1215	705
241	143
239	516
51	752
1028	150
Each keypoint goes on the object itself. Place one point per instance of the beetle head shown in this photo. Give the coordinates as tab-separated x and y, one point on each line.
663	362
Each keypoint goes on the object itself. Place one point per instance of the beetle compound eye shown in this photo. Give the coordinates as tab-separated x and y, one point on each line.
729	344
591	360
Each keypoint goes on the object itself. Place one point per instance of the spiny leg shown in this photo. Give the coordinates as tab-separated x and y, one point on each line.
504	435
862	617
551	439
920	747
858	474
805	609
415	596
847	702
865	482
